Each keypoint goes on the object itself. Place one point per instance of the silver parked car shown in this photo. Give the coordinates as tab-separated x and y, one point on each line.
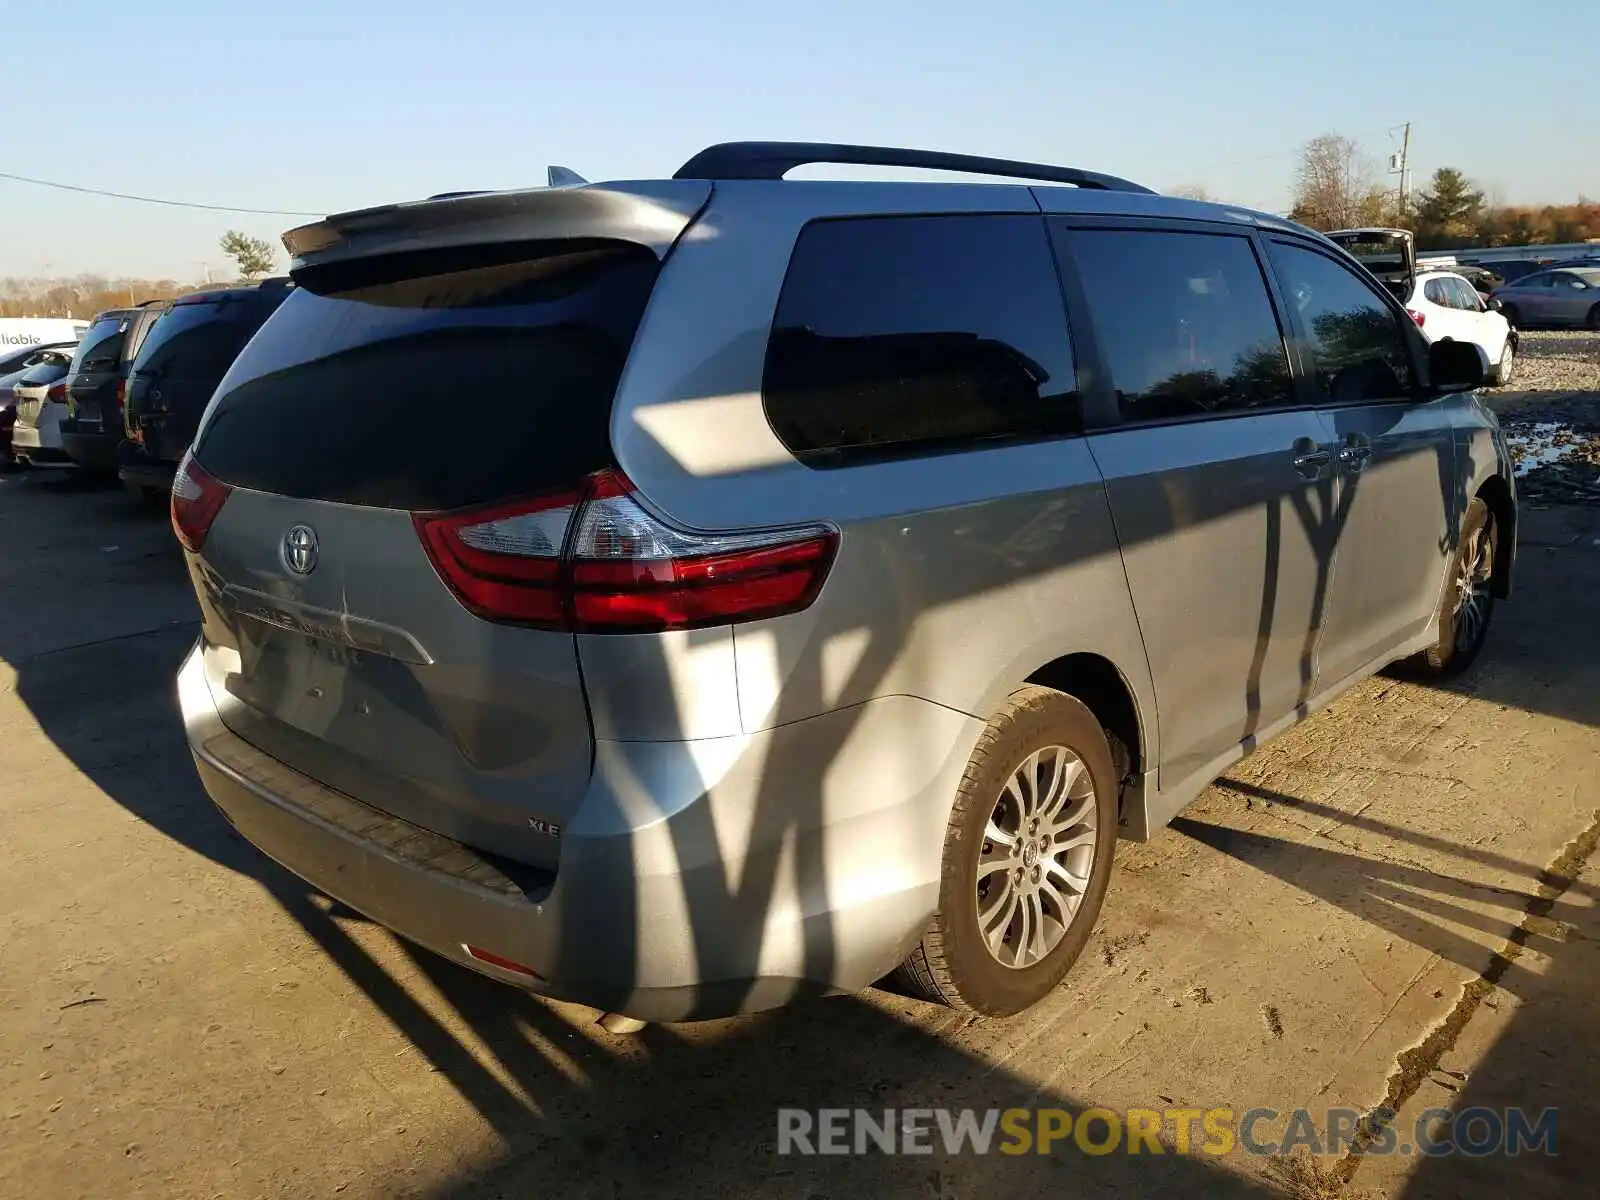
680	596
1567	298
41	401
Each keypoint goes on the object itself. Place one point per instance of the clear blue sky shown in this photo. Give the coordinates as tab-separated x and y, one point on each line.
333	105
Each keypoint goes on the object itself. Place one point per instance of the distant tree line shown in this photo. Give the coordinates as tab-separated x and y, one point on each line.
82	296
85	295
1337	186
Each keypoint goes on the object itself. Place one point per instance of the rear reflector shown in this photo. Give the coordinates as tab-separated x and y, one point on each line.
596	560
494	960
197	498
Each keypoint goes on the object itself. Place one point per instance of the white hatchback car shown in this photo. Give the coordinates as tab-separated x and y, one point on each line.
1444	305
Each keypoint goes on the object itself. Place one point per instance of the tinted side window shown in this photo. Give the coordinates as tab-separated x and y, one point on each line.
1358	349
903	335
1433	289
1183	320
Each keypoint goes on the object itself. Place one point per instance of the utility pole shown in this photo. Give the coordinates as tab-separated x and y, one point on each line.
1405	178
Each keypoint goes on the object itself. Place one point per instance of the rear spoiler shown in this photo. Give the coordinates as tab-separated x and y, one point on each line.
651	214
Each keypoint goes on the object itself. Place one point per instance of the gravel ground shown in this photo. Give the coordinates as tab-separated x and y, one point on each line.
1551	415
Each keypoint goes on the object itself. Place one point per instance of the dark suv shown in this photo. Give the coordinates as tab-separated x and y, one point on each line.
92	428
179	365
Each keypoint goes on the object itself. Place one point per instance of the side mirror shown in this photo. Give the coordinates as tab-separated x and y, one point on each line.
1456	366
1494	303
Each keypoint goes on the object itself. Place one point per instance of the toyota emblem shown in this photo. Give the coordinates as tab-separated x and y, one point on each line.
300	549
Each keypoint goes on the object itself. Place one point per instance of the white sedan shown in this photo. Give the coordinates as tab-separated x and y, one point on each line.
1446	307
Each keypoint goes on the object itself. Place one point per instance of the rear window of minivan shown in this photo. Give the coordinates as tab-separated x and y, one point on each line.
435	379
198	338
101	345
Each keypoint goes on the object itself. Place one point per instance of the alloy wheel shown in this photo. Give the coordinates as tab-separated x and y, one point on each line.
1038	851
1472	590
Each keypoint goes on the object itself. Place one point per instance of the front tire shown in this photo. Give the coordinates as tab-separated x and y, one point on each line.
1507	364
1027	859
1468	602
1594	318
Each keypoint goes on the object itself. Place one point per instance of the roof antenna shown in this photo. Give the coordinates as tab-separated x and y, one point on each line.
565	177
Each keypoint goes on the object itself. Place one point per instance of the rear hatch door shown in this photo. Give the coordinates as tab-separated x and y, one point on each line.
92	385
1390	254
180	363
32	389
416	382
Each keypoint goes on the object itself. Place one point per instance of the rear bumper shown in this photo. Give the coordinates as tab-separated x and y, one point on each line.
91	450
697	879
138	469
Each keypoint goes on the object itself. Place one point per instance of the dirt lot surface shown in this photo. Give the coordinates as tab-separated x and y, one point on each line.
1390	903
1551	411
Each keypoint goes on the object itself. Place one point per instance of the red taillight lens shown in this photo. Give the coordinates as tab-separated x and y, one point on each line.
122	392
599	561
197	498
504	563
57	393
1420	318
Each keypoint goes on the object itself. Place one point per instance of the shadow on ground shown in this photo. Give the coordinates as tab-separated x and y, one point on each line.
694	1109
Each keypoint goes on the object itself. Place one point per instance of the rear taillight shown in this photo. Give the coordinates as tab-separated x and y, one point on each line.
504	563
197	498
57	393
122	392
598	561
1420	318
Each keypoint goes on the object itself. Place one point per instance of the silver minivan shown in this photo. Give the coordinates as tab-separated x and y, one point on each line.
682	596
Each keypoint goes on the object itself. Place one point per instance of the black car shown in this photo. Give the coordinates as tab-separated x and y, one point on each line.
1484	279
1510	269
179	365
92	428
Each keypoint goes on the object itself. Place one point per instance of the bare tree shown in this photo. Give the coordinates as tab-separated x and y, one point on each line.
1191	191
1336	185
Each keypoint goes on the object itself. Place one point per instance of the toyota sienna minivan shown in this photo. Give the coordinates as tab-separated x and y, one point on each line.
682	596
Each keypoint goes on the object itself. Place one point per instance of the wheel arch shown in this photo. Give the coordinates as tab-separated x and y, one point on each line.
1104	690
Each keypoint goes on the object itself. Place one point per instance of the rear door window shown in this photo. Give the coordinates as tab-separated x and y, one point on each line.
1183	320
101	345
435	379
1435	293
900	336
1358	348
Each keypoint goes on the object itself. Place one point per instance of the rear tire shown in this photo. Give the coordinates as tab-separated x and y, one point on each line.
1027	859
1467	605
1594	318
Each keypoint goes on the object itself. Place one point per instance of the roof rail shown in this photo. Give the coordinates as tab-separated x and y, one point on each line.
772	160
